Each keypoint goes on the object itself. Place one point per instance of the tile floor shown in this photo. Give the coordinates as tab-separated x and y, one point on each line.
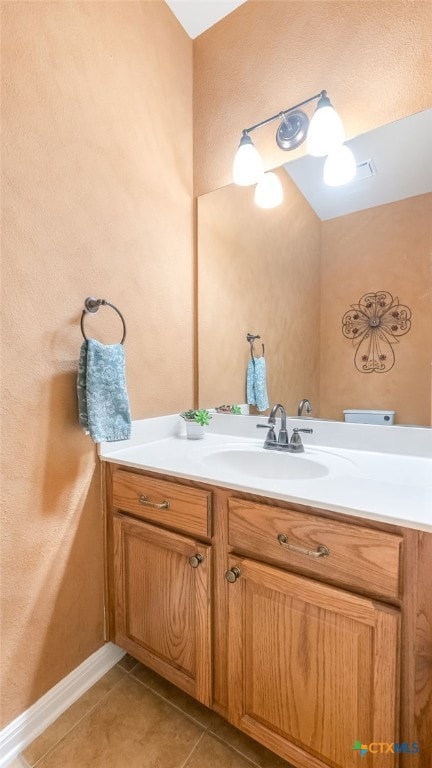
132	718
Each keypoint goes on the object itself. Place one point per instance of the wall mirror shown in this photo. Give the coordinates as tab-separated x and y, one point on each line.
290	273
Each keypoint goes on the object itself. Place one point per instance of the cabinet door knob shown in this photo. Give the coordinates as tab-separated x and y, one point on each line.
232	575
196	560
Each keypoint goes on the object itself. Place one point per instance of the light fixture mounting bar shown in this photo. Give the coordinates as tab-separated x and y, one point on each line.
280	115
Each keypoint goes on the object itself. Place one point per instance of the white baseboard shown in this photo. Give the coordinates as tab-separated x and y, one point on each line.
30	724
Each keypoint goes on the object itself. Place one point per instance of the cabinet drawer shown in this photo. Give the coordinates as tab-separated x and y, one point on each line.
357	557
170	504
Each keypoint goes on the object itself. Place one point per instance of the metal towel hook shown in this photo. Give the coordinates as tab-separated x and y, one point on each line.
92	305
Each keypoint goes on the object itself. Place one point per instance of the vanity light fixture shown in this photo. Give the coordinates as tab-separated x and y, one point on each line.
248	165
325	136
326	131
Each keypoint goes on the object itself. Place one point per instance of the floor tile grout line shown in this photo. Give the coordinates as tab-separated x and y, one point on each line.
207	729
128	671
236	749
89	711
193	750
171	704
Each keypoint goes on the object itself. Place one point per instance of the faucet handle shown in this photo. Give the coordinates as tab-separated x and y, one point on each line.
270	427
271	434
296	442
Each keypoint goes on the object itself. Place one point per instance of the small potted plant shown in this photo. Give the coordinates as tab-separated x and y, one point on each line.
196	422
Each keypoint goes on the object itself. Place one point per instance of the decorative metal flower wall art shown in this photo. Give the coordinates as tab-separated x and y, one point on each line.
374	325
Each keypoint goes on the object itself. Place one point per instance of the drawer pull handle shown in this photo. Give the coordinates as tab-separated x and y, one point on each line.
320	551
146	503
196	560
232	575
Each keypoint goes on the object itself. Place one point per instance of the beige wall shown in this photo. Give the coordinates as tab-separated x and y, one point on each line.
254	268
97	180
374	57
388	248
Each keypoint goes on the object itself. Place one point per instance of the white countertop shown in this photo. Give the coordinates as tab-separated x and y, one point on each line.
375	472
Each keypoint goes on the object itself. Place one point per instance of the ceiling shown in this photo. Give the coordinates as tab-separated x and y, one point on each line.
402	155
196	16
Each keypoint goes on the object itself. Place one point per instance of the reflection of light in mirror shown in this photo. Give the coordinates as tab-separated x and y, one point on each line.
340	167
268	191
248	165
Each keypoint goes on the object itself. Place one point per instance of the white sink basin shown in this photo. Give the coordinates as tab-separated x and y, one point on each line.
275	465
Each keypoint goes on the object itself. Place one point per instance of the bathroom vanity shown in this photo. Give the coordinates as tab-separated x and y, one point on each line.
306	623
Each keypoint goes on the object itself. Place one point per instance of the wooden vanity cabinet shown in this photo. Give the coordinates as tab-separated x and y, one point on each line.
306	654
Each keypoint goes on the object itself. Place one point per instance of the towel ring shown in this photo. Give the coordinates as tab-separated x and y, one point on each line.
251	338
92	305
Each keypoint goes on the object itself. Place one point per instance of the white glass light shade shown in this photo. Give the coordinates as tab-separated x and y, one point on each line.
339	167
248	165
325	132
268	191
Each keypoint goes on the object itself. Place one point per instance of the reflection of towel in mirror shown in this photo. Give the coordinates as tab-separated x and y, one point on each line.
102	396
256	384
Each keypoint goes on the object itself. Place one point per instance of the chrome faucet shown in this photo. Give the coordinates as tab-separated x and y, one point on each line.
283	438
282	442
302	404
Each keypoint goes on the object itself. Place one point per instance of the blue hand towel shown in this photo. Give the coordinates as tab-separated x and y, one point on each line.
256	384
102	396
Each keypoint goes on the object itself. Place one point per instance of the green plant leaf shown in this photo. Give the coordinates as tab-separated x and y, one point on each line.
203	417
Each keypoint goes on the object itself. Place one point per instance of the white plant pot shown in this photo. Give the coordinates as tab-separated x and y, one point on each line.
194	431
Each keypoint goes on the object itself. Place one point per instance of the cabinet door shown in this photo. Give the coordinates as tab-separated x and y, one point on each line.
312	669
162	603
